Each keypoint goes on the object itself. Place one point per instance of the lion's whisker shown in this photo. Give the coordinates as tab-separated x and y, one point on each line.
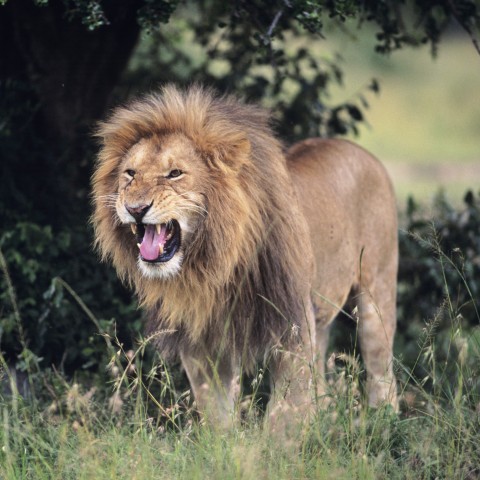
194	206
109	200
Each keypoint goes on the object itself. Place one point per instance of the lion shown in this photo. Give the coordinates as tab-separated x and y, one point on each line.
242	252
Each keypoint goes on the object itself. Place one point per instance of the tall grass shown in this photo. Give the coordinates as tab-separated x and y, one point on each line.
142	425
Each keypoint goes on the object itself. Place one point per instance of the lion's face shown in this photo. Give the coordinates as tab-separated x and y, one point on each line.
160	197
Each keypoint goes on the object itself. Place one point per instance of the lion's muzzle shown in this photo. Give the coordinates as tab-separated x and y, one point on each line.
138	212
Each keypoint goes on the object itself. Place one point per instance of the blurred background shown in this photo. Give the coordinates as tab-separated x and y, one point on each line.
425	122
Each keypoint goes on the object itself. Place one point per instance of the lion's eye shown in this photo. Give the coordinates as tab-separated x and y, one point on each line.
174	173
130	172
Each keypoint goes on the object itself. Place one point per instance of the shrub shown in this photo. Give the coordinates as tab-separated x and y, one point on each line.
49	278
439	283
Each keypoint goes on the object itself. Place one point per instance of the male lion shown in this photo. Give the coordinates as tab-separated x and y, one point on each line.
241	253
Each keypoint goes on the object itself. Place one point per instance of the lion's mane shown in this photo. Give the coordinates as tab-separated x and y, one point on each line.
250	257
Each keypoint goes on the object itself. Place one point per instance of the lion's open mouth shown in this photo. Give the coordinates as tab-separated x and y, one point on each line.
157	243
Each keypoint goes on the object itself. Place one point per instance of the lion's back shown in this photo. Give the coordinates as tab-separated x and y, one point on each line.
331	173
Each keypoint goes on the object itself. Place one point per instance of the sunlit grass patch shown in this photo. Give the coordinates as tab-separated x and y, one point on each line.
428	440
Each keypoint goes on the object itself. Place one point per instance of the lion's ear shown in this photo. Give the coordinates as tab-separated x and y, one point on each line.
238	153
233	154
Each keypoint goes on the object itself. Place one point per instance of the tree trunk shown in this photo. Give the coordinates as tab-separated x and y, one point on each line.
66	74
73	70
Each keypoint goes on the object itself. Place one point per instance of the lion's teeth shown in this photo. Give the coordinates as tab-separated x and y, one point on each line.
160	249
134	228
159	228
138	245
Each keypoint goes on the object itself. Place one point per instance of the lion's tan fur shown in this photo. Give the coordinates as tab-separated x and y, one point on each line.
276	237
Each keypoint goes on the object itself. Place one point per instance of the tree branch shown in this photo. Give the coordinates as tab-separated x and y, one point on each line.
472	35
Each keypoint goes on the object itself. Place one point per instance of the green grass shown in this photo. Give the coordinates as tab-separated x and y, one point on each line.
430	440
64	430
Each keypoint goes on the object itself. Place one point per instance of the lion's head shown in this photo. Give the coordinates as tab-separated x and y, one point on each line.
162	197
190	191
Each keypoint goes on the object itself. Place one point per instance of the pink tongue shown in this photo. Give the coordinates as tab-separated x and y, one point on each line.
149	249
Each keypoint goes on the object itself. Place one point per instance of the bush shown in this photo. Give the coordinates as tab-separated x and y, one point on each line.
49	278
440	260
439	284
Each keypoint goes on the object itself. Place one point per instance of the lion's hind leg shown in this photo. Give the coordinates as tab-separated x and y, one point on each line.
376	329
322	331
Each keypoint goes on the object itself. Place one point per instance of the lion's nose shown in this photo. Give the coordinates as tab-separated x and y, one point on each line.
138	212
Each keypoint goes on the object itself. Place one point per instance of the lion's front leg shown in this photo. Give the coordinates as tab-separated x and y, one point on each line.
292	382
292	401
215	387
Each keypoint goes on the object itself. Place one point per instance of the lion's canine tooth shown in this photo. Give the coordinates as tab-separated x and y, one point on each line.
138	245
134	228
158	228
160	249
